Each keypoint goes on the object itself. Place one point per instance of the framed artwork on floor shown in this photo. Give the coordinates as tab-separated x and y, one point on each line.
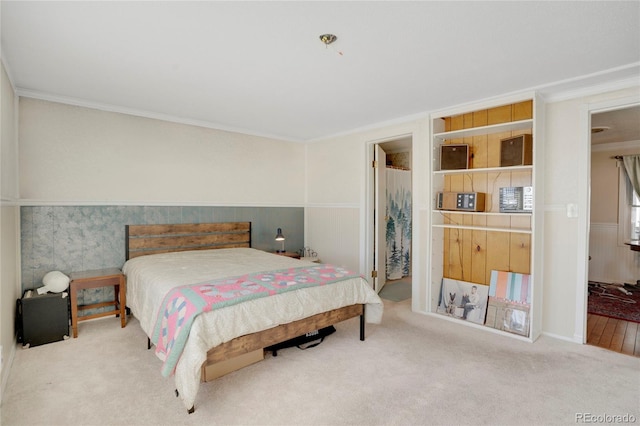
464	300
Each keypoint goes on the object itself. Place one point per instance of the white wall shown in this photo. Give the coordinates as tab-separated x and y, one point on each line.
336	176
337	218
566	167
604	185
609	259
9	224
71	154
335	171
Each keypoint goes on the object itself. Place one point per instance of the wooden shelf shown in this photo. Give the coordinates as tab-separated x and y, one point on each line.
484	228
489	240
485	130
484	170
445	212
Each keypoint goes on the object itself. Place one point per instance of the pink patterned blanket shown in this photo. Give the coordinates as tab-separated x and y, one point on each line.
182	304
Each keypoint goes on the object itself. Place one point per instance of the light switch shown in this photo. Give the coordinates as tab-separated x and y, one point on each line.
572	210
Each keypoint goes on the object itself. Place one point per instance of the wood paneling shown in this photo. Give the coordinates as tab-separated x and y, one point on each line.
501	114
470	255
478	256
522	110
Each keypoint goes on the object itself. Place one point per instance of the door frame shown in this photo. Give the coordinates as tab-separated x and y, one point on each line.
368	225
379	217
584	205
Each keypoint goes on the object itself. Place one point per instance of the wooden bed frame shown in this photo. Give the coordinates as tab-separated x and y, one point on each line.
141	240
149	239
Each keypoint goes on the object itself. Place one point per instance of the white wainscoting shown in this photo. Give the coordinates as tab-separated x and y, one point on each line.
609	261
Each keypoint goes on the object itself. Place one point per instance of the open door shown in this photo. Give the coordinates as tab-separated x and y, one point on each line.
380	211
612	221
379	218
592	259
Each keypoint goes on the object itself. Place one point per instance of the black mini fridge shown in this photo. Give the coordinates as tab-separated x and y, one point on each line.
42	318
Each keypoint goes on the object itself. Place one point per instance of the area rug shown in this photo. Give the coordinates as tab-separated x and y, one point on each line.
612	303
397	290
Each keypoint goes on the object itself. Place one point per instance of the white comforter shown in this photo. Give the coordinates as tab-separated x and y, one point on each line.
149	278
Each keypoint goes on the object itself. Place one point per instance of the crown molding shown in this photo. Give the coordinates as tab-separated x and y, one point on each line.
408	120
613	79
50	97
604	147
609	80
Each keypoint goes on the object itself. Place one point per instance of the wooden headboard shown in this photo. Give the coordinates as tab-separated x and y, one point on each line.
141	240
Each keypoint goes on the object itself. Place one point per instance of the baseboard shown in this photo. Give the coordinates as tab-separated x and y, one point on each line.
574	339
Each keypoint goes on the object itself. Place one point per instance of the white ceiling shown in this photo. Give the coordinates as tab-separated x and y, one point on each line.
620	125
260	68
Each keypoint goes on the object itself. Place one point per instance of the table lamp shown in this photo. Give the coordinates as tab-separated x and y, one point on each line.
280	237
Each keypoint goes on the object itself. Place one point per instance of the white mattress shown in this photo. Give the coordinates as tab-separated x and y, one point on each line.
149	278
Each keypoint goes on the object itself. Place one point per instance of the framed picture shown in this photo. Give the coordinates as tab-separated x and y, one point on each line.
509	299
464	300
510	286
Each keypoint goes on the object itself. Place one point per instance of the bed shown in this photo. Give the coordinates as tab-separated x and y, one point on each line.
162	259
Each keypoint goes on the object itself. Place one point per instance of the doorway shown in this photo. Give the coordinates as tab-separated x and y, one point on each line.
613	268
392	216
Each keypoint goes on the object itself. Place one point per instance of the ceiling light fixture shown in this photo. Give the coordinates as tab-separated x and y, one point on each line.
327	39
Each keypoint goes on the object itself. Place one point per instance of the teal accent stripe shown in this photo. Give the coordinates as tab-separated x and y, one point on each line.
510	285
517	278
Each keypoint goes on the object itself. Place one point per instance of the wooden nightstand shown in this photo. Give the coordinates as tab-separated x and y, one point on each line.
94	279
288	254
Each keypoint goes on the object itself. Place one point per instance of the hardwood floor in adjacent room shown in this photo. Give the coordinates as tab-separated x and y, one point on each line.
613	334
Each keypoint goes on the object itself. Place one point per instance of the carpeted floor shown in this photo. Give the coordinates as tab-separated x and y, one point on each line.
412	369
612	303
